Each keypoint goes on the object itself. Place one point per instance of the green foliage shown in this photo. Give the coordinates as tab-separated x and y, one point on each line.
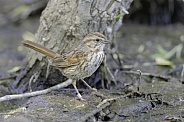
162	56
20	9
119	15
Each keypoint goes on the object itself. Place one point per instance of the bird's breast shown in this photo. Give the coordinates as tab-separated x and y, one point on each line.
93	62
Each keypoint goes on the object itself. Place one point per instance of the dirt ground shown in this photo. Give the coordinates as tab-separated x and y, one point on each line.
155	95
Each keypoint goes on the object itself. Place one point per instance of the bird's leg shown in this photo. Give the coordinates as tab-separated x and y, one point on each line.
93	89
75	87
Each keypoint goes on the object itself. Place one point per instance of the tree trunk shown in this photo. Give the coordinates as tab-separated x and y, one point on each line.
63	24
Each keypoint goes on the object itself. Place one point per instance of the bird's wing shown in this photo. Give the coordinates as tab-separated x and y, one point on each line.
72	58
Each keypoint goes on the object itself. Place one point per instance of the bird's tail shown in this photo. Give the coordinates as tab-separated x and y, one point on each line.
39	48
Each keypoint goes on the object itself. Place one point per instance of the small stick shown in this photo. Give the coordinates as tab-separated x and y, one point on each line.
164	77
140	77
108	70
48	70
33	78
45	91
7	78
95	111
182	72
111	99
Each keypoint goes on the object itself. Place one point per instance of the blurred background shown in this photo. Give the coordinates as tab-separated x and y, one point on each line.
18	19
150	40
156	12
152	33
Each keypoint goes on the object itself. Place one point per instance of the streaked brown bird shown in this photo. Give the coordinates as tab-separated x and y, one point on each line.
78	63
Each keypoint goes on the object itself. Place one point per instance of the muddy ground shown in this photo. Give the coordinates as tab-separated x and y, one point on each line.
158	96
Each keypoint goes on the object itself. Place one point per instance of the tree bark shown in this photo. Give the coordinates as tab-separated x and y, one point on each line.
63	24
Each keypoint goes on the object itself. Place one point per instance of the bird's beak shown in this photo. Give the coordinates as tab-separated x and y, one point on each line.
107	42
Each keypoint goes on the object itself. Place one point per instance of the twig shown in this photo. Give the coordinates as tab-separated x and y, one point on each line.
103	76
92	113
164	77
182	72
108	70
7	78
48	70
33	79
117	61
18	96
112	99
105	103
140	77
106	100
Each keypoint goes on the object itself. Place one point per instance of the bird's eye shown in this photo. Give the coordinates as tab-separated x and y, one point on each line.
97	40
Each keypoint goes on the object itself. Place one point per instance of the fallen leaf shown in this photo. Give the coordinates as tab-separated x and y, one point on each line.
162	61
14	69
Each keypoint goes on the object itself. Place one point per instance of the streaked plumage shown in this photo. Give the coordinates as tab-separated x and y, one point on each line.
80	62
